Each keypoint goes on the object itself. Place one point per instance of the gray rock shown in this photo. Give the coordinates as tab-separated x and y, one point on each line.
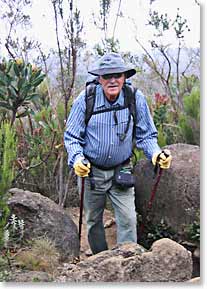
177	198
195	280
43	217
167	261
31	276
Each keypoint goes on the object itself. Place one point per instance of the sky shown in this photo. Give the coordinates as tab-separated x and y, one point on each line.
135	11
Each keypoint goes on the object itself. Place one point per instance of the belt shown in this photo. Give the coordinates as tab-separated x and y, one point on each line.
108	168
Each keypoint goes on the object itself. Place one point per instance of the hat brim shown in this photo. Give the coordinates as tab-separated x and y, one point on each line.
99	72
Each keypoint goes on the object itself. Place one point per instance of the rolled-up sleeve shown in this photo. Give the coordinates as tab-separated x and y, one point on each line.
146	132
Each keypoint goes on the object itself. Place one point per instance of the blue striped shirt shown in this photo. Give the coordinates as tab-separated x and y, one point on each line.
100	139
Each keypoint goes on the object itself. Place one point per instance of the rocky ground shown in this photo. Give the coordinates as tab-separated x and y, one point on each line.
62	272
22	275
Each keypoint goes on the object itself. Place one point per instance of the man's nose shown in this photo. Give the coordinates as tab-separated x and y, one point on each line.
112	79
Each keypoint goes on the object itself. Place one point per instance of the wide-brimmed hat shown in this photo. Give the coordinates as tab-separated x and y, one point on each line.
111	63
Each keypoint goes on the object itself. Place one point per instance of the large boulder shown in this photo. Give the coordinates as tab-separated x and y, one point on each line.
177	198
166	261
43	217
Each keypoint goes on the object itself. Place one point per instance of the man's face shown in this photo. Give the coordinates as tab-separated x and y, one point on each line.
112	84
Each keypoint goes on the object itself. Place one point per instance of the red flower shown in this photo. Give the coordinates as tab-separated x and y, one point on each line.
161	99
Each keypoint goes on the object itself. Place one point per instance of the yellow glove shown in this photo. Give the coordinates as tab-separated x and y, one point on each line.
81	169
163	159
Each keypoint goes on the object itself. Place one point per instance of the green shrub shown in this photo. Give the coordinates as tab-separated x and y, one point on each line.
137	155
7	170
18	83
151	232
192	103
161	137
193	229
189	120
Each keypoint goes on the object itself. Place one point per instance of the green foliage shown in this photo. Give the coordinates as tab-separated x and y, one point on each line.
5	273
43	99
188	83
104	12
160	109
162	138
18	83
174	126
192	104
137	155
189	120
7	155
186	130
7	169
167	68
162	23
159	22
12	239
161	117
180	25
47	132
152	233
44	154
193	230
107	45
161	230
50	124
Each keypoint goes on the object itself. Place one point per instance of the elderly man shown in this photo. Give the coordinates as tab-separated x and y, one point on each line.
106	142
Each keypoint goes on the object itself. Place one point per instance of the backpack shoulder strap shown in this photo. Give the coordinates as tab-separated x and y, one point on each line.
90	97
130	99
130	102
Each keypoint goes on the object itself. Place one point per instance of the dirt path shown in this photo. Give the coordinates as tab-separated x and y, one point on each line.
110	229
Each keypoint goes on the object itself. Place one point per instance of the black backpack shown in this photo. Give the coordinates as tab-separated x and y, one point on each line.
129	102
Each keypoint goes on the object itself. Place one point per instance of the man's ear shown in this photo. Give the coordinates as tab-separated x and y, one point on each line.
99	79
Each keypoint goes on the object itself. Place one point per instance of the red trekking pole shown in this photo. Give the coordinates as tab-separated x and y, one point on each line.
153	191
149	205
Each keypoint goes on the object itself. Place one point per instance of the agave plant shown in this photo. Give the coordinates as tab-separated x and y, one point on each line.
18	83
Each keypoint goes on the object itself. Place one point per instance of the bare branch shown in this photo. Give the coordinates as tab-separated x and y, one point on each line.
117	15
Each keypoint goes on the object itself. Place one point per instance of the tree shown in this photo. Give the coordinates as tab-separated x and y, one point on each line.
68	49
108	44
67	52
162	60
12	13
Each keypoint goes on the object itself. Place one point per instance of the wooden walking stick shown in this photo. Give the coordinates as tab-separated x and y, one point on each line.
81	208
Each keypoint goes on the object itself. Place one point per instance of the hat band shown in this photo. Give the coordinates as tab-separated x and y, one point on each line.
102	71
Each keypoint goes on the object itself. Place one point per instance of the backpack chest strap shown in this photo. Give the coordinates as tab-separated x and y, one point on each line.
115	108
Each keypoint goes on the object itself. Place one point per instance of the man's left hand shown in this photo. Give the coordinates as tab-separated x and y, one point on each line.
163	159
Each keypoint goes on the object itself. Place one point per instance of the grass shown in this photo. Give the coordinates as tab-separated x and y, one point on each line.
42	256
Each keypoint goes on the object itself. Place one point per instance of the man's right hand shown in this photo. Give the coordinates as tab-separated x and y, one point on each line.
163	159
82	167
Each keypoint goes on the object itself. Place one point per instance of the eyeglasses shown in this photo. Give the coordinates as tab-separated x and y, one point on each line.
112	75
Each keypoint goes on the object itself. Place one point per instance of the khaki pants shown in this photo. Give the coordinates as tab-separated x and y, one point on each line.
94	203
